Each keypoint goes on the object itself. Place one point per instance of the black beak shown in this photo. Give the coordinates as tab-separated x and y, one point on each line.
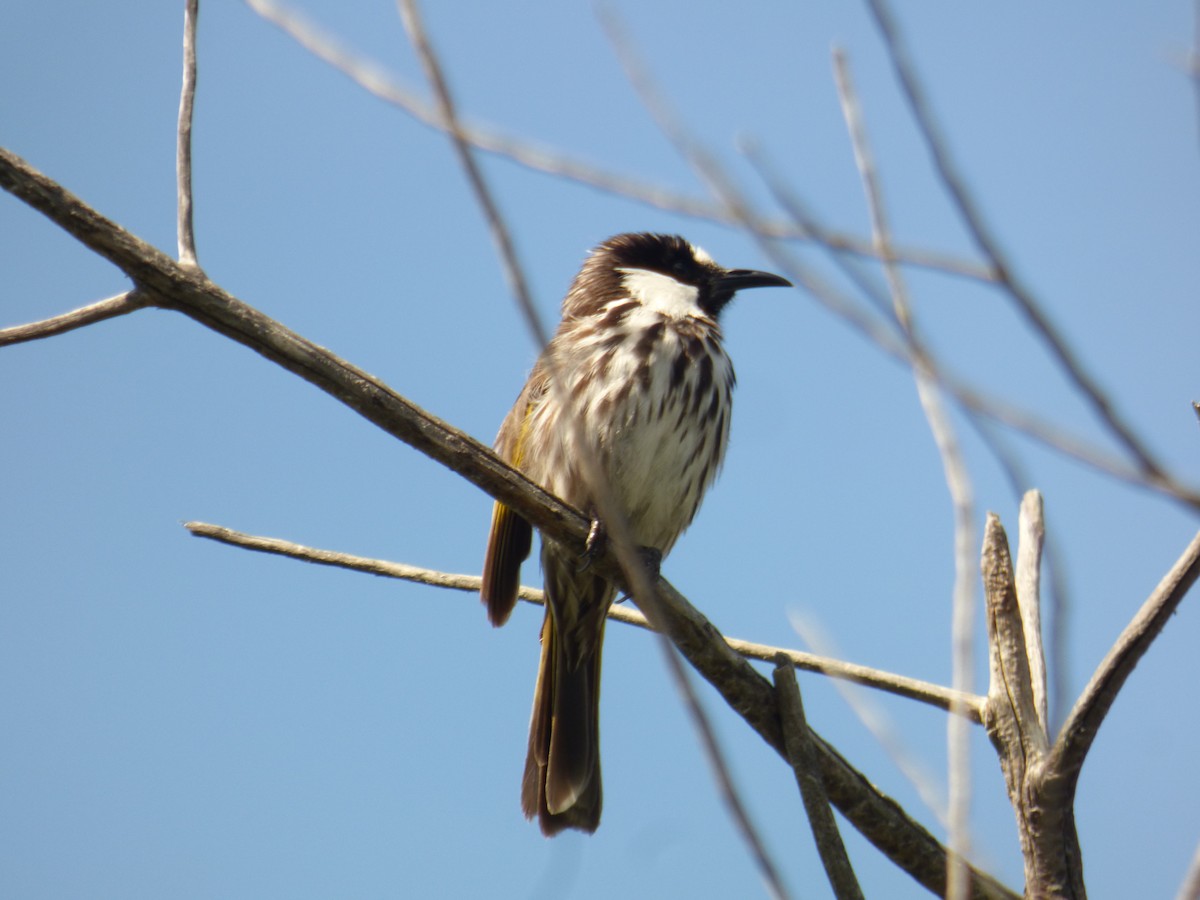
740	279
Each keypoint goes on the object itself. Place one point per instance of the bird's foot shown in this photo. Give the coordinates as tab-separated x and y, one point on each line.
596	545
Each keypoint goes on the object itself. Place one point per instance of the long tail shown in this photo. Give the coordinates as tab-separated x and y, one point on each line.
562	785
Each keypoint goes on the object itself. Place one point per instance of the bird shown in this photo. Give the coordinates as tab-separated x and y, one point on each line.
637	379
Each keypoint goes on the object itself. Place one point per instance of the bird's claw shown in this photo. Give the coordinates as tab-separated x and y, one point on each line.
595	546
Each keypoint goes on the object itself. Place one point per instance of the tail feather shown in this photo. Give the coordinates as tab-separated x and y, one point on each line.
562	784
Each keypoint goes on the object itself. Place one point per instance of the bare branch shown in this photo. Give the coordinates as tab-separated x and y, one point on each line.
1011	686
852	265
968	705
877	817
730	795
739	209
1046	433
1031	538
383	568
110	308
812	790
879	724
900	348
1085	719
889	682
987	244
384	85
183	147
448	115
881	332
1041	796
168	284
958	481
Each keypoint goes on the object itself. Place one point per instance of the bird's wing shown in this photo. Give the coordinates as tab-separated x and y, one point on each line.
511	536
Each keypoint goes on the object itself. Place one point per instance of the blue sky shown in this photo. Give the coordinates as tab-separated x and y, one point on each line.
185	719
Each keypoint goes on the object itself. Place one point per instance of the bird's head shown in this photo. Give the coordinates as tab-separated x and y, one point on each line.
663	272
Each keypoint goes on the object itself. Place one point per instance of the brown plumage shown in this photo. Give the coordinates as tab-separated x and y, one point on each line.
637	358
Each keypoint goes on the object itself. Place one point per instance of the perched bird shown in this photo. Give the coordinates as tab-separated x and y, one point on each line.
637	358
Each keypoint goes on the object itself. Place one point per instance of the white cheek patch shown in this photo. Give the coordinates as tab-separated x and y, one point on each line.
662	293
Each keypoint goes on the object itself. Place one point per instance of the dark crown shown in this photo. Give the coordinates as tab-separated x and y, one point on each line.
601	279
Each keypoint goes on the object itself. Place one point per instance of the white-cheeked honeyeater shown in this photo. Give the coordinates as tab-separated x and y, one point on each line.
638	359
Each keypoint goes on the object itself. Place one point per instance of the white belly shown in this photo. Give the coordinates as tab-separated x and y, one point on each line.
659	428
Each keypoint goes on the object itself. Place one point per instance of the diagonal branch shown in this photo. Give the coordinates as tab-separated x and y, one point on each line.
987	244
374	79
173	286
110	308
812	791
739	207
1083	723
448	114
170	285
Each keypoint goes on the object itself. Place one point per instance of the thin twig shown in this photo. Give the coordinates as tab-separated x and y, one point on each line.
731	796
852	265
1055	595
110	308
889	682
812	791
387	87
947	699
974	401
513	271
878	723
1056	438
990	248
958	482
183	147
978	408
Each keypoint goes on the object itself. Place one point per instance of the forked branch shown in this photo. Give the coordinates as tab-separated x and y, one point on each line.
1044	812
1042	776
